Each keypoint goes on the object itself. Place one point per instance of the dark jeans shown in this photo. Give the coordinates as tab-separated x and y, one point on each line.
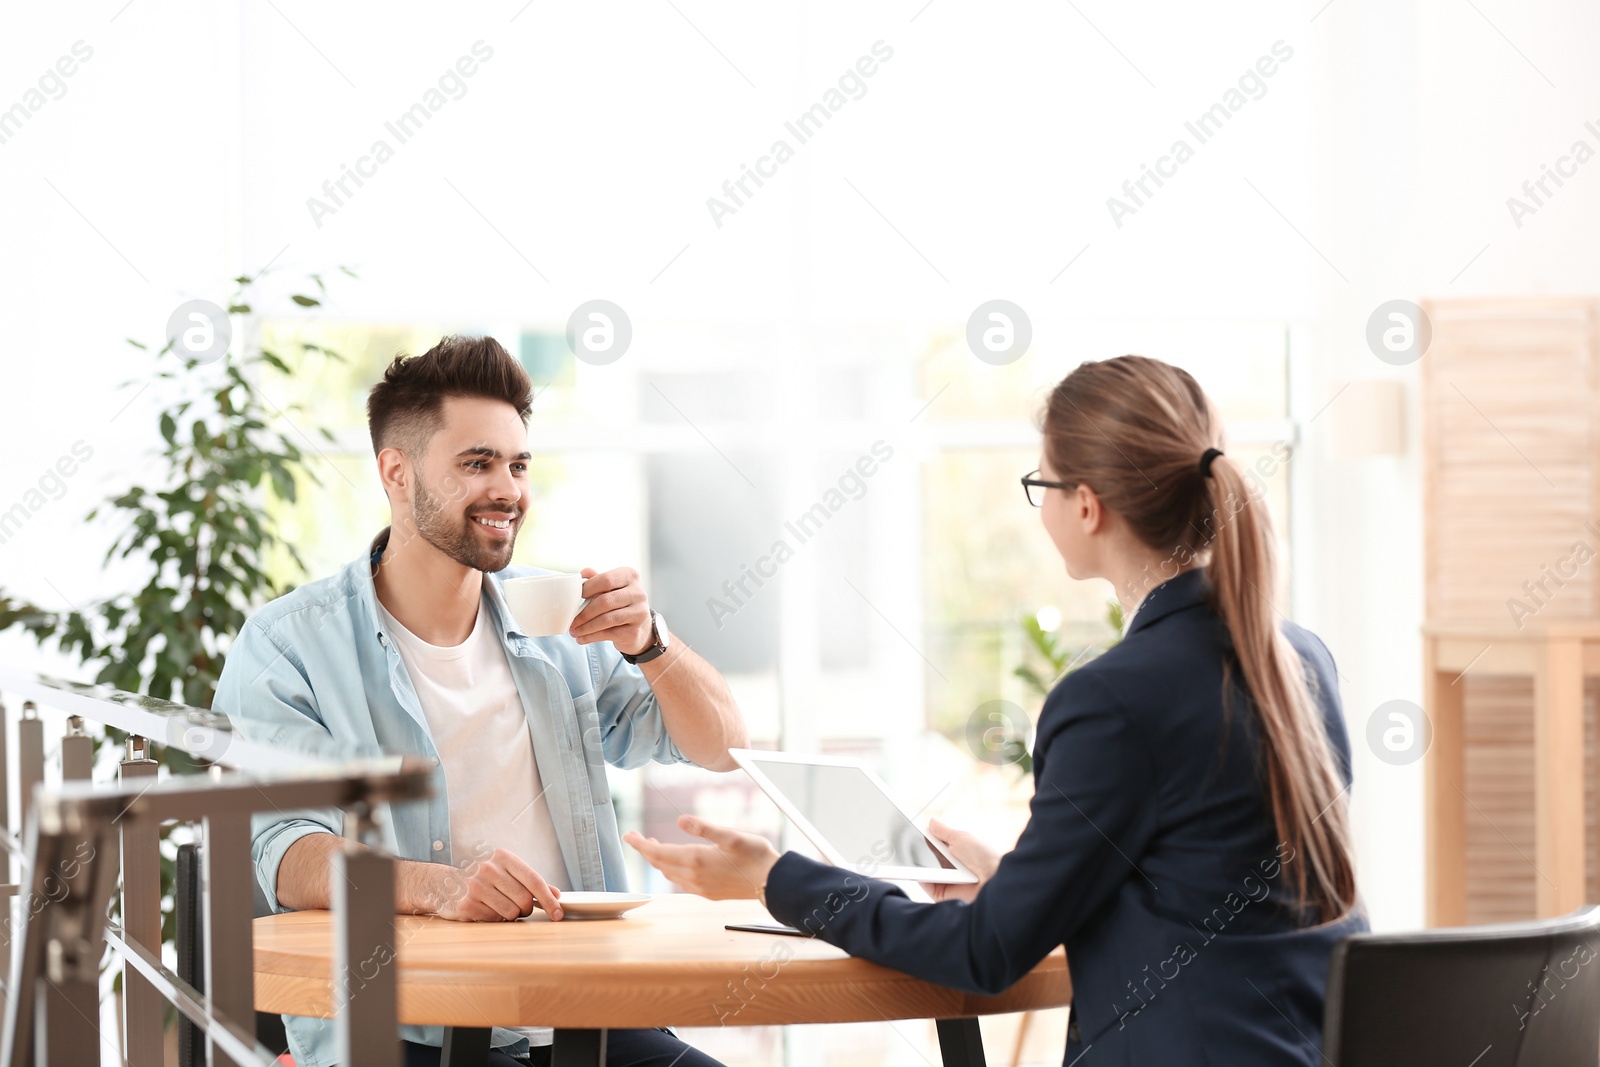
624	1048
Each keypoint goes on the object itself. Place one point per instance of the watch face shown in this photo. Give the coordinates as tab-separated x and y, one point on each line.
662	637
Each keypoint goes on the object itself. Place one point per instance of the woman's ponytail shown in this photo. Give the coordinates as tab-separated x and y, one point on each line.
1303	785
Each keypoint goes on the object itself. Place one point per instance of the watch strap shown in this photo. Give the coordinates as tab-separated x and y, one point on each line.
655	648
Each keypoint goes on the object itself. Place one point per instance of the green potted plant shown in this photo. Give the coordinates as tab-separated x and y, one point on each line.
203	534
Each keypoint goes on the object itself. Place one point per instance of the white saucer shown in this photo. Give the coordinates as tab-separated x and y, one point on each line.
576	905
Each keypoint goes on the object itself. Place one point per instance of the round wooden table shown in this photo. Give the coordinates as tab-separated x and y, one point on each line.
669	963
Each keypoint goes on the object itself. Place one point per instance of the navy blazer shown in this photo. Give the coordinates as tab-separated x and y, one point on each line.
1149	853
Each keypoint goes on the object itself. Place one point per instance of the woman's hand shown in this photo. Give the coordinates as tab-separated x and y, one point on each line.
976	856
734	865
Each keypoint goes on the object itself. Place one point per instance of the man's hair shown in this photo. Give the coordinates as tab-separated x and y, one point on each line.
404	410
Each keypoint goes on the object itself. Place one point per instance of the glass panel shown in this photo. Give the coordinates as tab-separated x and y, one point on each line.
988	564
989	567
707	532
844	548
1242	365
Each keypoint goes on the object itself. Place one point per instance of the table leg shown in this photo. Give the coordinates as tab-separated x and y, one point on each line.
465	1046
1445	768
960	1042
1558	777
578	1048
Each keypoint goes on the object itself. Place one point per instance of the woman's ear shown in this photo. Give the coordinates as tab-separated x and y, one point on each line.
1088	510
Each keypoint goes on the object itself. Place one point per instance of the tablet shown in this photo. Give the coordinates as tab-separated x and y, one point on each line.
847	813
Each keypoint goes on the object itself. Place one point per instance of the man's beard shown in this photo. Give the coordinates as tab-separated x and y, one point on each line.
455	537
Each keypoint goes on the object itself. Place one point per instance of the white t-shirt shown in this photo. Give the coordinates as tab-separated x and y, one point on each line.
492	785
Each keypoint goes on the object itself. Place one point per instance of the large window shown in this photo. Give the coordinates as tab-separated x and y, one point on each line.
987	562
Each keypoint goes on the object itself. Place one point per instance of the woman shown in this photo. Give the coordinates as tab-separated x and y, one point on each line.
1187	840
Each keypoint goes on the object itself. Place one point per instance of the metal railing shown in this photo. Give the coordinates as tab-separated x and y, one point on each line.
80	840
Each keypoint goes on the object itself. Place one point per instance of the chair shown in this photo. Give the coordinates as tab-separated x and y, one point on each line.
186	901
1508	995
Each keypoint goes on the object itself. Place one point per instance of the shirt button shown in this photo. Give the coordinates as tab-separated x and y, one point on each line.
434	760
438	846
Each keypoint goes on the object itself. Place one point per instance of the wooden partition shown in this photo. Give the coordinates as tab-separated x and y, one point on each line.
1511	443
1510	808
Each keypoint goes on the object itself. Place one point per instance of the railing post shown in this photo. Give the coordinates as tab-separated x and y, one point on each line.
77	752
8	867
70	891
227	904
30	757
5	779
366	989
142	1005
30	772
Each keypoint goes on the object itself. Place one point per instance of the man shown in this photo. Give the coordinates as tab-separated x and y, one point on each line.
411	649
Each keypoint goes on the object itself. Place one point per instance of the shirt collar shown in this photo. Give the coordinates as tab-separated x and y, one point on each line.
501	615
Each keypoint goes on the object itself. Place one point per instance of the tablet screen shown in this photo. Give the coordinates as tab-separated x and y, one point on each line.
852	813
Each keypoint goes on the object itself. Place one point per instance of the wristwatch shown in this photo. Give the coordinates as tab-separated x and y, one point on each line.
659	639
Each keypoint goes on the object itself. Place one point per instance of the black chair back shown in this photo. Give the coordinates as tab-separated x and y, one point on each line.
191	960
186	912
1510	995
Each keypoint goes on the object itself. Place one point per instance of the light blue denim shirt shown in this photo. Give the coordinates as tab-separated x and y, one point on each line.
316	671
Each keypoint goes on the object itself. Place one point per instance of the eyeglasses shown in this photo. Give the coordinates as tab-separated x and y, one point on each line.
1030	482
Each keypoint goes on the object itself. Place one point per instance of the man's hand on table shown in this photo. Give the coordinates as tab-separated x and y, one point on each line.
498	887
733	866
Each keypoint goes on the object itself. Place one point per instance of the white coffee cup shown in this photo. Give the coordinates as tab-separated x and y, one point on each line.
544	605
